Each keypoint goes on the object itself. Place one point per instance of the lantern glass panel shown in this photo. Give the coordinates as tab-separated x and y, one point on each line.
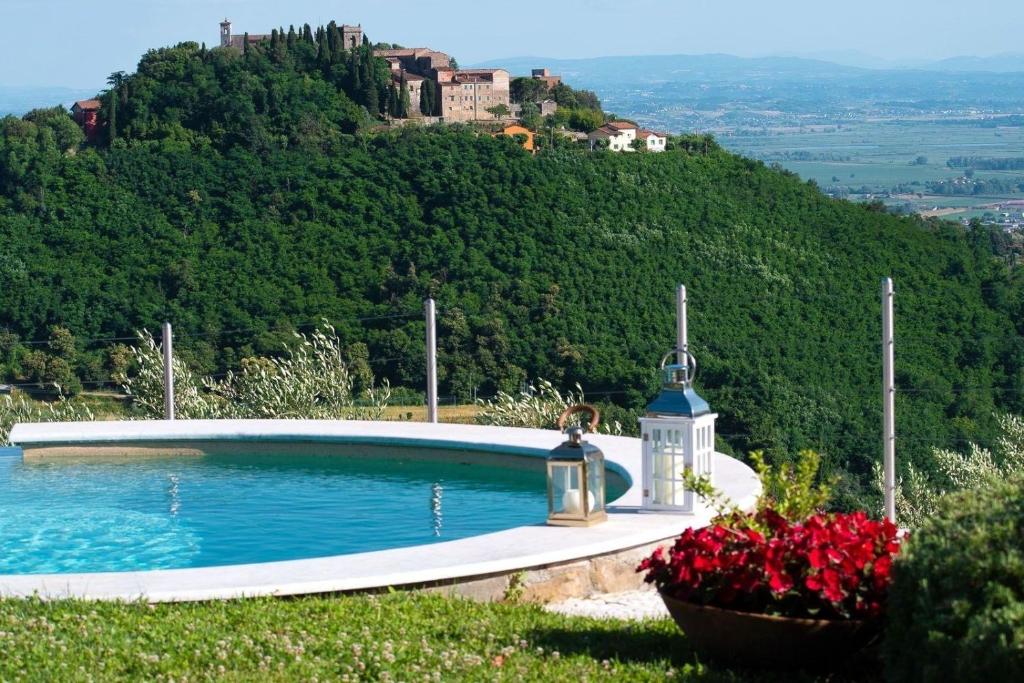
668	454
595	486
565	488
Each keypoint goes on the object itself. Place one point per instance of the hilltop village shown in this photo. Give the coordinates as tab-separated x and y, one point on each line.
434	89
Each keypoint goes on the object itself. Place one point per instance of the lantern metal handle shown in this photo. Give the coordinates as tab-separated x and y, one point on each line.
595	415
690	362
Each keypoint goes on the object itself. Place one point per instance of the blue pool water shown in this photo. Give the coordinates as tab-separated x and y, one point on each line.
163	513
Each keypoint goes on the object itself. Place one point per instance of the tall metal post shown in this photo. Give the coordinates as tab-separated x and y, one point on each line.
168	343
682	341
431	316
888	402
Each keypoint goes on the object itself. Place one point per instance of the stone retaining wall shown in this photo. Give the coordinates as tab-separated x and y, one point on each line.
611	573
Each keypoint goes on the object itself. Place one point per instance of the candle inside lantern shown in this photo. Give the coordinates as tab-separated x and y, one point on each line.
571	501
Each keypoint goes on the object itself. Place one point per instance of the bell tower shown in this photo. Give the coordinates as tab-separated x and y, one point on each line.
225	33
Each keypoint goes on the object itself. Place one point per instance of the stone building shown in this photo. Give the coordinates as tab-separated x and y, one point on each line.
417	60
351	36
464	94
86	114
470	93
546	76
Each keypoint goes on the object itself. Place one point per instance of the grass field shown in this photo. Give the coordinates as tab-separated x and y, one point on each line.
459	414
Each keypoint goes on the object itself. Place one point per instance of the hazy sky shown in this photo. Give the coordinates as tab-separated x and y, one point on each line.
75	43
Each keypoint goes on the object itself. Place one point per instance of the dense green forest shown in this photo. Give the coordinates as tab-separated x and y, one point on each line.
241	196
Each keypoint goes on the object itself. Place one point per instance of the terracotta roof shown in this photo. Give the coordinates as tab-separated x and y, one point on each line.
482	72
89	105
404	52
621	125
644	133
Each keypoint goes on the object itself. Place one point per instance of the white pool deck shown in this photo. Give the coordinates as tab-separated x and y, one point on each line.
501	552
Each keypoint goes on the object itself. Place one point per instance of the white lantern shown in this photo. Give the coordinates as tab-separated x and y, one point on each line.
678	433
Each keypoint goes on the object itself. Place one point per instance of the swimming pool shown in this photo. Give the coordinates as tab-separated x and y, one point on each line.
170	512
549	561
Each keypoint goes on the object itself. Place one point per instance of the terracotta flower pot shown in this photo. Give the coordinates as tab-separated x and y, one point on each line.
765	640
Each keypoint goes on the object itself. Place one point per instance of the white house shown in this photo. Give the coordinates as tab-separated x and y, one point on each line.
655	141
620	136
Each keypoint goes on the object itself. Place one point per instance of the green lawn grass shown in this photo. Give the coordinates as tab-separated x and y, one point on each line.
394	637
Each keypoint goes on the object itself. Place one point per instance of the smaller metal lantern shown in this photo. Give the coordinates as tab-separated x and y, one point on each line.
576	477
678	433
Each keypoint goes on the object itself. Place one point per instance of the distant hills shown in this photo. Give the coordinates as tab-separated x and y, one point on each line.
1003	63
833	63
998	63
648	69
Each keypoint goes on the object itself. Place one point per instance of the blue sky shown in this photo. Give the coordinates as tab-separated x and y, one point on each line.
75	43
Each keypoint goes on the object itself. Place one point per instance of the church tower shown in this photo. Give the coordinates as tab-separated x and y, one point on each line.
225	33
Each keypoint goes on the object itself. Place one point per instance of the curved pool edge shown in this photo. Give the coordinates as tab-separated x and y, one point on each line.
534	549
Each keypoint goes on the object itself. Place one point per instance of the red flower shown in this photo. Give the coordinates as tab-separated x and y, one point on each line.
833	566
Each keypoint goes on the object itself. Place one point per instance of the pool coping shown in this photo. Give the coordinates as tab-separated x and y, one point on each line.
511	550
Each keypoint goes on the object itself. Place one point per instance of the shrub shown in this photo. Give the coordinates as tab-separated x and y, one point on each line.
957	606
311	381
17	408
917	495
538	407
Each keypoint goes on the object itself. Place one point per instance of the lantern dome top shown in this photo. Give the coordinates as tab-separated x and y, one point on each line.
678	397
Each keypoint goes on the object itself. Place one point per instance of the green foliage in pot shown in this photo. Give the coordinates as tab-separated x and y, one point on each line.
956	609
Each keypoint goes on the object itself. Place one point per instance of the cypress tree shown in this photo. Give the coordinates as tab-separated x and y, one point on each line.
322	58
339	40
355	72
278	49
404	105
307	33
332	34
370	97
291	38
427	97
112	116
245	44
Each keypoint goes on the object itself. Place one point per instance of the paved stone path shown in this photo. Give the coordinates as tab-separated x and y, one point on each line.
636	605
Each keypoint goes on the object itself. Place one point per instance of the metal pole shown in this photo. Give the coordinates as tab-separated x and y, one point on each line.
888	402
682	341
168	343
431	315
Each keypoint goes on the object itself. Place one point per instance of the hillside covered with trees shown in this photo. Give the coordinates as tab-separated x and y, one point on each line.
241	196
